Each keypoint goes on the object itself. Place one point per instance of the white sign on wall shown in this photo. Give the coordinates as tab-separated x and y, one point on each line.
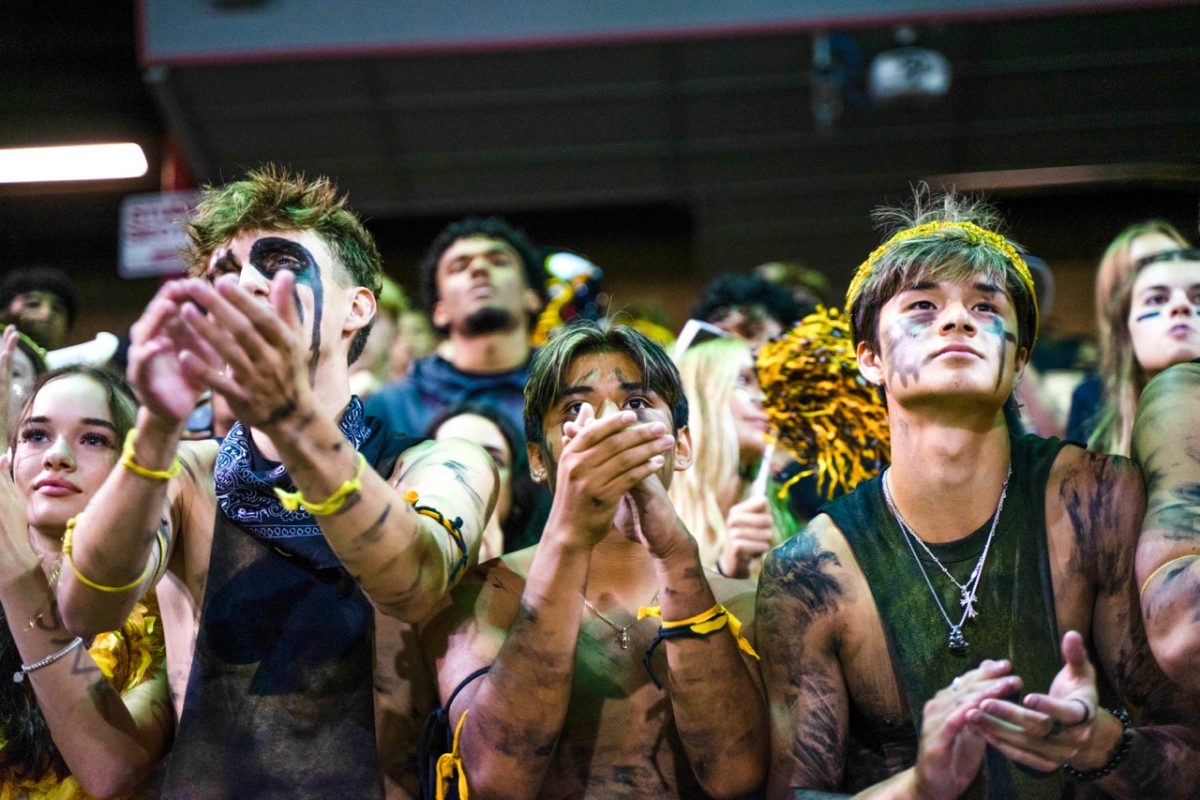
152	233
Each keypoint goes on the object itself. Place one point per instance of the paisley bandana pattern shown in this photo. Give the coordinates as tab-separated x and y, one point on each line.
245	486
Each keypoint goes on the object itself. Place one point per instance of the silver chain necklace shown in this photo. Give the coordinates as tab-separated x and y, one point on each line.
957	641
622	630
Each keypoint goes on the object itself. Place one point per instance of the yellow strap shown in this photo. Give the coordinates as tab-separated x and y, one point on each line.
294	500
705	623
129	462
450	765
68	544
1161	567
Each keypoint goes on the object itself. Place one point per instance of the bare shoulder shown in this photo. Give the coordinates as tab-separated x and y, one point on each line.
469	629
1095	503
810	565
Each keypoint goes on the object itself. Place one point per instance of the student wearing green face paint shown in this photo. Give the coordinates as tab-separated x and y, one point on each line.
967	620
279	539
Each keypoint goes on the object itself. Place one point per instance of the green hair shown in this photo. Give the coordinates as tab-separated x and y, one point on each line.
272	198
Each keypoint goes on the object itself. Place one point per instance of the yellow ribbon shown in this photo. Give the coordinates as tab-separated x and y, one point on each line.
128	461
705	623
450	765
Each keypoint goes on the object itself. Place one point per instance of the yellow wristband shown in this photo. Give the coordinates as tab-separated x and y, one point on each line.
294	500
128	462
67	544
704	623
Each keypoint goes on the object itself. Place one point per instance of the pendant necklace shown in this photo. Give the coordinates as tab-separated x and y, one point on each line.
622	631
957	641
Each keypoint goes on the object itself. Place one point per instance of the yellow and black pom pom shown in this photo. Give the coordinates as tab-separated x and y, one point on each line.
820	407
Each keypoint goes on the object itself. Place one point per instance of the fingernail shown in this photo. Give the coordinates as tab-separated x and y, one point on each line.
666	441
657	428
657	461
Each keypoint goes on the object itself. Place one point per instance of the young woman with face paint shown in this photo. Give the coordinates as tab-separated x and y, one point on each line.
74	717
1158	307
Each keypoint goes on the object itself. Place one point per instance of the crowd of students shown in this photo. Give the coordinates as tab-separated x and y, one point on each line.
578	553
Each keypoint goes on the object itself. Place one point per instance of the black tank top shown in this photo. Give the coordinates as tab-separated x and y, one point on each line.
279	701
1016	614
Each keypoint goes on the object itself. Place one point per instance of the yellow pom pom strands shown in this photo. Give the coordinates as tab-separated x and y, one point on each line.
971	232
820	408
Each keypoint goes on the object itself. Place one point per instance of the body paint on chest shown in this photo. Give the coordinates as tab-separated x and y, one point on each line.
270	254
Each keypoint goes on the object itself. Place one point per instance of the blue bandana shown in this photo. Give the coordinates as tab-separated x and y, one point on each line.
245	485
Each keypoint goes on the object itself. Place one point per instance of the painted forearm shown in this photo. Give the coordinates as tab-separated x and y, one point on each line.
91	726
517	715
114	538
718	707
404	561
1162	763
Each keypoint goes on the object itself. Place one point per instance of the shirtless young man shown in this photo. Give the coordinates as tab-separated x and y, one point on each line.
278	699
899	629
567	708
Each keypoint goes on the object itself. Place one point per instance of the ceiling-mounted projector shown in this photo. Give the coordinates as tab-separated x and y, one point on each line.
915	75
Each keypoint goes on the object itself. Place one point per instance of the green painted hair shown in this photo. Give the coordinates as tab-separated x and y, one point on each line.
273	199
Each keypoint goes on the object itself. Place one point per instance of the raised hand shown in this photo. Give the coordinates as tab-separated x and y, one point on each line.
951	750
160	343
749	533
265	379
601	461
16	554
1065	725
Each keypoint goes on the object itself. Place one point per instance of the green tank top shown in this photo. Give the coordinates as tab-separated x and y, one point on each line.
1015	604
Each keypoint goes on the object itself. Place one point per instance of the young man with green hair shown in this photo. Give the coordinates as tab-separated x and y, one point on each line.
269	543
899	629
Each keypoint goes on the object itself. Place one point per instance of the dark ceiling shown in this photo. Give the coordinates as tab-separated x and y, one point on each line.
712	140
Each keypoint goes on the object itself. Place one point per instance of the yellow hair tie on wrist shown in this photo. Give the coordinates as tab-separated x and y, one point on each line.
294	500
703	624
67	544
128	462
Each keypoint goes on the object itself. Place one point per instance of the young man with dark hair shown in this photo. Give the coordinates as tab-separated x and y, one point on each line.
482	284
899	628
581	697
269	543
40	301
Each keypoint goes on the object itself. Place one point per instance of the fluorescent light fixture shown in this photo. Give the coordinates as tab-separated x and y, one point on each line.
83	162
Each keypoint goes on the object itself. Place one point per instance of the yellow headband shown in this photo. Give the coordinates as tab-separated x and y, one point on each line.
974	234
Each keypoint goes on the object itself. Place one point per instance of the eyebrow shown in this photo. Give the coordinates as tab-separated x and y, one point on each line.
925	286
1165	288
626	386
92	421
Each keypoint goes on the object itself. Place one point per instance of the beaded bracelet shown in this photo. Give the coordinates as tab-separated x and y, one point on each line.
129	462
294	500
1118	754
68	544
19	675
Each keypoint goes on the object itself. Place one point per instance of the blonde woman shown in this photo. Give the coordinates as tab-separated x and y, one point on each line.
1116	266
729	429
1159	310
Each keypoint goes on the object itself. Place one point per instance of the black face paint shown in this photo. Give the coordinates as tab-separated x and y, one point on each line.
270	254
997	329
